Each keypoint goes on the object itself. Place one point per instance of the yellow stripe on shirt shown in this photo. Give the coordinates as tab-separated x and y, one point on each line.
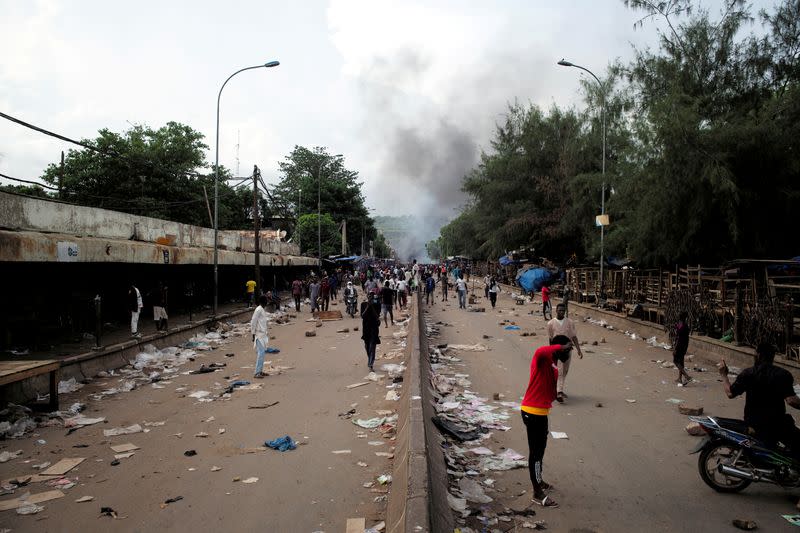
535	410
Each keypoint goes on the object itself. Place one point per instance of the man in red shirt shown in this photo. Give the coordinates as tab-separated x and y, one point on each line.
536	406
546	305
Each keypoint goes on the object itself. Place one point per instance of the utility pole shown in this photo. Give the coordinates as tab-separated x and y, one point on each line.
257	229
344	236
61	177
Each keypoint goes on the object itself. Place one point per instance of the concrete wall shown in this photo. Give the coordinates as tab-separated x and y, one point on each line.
418	500
23	213
26	246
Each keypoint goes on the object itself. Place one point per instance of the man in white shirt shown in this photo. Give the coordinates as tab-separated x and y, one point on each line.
461	289
401	292
135	304
560	325
258	328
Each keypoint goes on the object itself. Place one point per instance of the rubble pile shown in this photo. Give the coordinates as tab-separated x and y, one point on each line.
467	420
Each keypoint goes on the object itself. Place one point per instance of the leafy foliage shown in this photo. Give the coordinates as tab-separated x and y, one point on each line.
702	151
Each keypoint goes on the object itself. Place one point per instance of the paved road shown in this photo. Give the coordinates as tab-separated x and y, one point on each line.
304	490
625	465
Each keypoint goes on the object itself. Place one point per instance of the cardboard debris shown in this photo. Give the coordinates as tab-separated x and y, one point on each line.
40	497
114	432
122	448
63	466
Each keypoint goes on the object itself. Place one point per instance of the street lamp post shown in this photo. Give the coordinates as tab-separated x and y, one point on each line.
299	199
565	63
216	181
319	215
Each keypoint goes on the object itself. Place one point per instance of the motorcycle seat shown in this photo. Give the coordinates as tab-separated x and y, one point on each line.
733	424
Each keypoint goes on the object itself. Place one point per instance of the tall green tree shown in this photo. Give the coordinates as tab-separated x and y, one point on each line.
151	172
307	174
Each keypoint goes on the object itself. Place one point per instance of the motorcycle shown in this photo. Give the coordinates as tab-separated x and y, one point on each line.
731	459
350	301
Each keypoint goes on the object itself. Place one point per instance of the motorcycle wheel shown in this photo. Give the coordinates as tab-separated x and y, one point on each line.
714	455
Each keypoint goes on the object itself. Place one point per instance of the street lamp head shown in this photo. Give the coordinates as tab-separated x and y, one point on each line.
272	64
565	63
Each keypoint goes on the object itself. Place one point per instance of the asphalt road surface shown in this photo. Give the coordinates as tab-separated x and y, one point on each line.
304	490
625	465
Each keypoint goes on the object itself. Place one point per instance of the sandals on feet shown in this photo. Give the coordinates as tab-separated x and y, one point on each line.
560	397
547	501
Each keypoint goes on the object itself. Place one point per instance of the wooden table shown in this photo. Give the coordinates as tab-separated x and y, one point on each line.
12	371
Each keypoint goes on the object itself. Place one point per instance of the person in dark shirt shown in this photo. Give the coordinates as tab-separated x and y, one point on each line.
768	389
387	299
681	346
370	324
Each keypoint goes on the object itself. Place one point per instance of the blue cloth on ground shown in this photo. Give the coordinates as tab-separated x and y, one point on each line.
511	327
239	383
281	444
270	349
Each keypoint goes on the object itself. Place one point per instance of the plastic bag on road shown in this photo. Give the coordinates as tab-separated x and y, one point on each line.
472	491
281	444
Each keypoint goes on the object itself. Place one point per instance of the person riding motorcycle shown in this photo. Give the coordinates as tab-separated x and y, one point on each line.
768	390
350	293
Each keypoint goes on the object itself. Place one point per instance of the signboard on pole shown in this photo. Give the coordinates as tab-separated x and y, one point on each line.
601	220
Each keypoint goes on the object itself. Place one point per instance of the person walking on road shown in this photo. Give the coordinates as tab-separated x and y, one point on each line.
535	409
402	294
297	293
325	289
159	297
135	306
250	291
682	331
258	329
313	289
562	326
445	284
494	288
370	324
461	289
487	281
387	302
430	285
546	305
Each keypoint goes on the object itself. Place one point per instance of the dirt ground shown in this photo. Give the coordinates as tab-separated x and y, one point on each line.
626	465
307	489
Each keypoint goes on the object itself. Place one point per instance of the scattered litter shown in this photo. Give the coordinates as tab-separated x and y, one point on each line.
201	435
384	454
354	385
190	453
30	508
558	435
70	385
629	400
747	525
482	451
250	480
372	423
340	452
41	466
121	448
509	328
690	410
673	400
63	466
384	479
80	421
472	491
31	499
263	406
7	456
173	500
375	443
126	455
115	462
114	432
539	524
458	505
368	484
793	519
467	347
199	394
216	468
220	431
84	499
281	444
392	395
362	464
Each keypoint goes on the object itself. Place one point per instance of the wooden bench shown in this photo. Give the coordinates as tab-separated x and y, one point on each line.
22	369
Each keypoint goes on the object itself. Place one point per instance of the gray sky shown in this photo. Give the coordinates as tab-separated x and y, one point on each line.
408	91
